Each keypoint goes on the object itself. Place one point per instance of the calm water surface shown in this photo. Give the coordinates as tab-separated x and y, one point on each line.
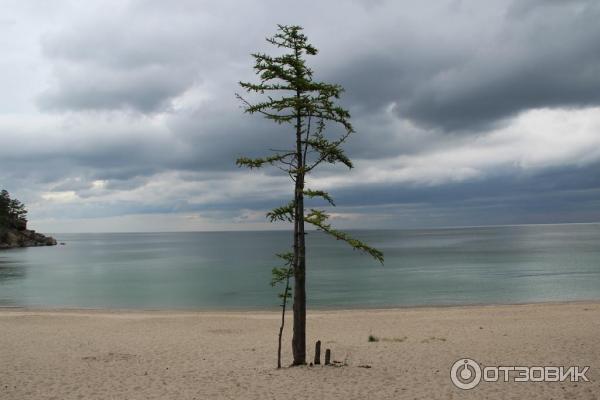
232	269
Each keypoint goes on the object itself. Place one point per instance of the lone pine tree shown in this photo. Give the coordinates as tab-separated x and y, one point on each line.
292	98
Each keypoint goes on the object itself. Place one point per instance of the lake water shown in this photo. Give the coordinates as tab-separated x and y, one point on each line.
231	270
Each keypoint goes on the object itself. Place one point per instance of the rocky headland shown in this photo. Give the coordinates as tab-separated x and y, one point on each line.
17	235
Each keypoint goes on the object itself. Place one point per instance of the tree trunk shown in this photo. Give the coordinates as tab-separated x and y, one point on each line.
299	336
299	339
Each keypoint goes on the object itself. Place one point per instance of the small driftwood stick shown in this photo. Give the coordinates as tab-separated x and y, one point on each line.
318	352
327	357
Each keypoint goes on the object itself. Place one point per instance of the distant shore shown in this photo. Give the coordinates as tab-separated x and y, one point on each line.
99	354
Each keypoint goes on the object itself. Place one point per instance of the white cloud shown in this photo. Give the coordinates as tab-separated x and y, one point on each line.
59	197
533	141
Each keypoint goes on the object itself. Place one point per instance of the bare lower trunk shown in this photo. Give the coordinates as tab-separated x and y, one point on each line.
299	337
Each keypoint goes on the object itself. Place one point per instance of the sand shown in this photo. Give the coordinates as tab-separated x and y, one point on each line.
82	354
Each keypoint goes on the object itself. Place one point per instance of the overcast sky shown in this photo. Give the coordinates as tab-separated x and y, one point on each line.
121	115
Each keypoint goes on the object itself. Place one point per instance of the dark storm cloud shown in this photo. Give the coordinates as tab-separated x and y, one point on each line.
139	56
558	195
535	54
473	66
582	182
146	91
116	65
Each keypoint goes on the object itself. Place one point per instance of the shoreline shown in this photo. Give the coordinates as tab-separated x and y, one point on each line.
110	310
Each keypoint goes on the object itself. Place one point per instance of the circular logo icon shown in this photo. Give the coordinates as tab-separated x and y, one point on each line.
465	373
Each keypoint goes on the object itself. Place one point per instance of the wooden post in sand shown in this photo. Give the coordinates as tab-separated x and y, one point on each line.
327	357
318	352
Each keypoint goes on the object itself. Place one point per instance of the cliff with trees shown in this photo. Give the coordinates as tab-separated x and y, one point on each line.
13	226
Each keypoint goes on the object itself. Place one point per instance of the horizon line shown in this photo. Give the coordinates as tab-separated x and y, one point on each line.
348	229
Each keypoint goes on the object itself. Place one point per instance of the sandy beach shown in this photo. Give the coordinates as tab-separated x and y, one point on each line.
83	354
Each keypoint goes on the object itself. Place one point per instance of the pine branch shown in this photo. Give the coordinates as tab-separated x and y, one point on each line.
260	108
330	152
319	218
319	193
283	213
259	162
